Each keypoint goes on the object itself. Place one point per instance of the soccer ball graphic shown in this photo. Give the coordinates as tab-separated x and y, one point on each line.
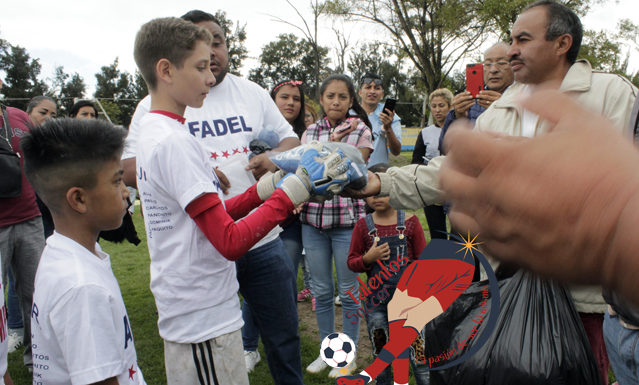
337	350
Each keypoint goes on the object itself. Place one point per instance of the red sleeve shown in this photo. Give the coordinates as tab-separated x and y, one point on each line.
233	239
240	205
417	236
358	248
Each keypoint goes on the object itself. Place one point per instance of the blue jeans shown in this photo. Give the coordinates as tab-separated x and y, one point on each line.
321	247
377	325
621	344
292	238
265	275
14	314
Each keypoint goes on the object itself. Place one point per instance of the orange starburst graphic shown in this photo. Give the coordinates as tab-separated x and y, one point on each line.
469	244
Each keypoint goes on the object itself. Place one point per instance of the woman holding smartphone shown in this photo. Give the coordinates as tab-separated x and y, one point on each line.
427	147
327	227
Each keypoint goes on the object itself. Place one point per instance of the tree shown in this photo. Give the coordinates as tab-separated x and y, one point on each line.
118	88
288	57
65	88
437	35
235	41
21	81
605	50
318	9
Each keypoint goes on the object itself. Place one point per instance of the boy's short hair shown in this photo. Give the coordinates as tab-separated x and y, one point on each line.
166	38
65	153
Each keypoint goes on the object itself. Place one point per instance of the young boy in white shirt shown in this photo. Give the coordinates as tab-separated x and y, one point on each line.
192	235
80	328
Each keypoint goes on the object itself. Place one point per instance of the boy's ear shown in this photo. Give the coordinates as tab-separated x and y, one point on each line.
163	69
77	199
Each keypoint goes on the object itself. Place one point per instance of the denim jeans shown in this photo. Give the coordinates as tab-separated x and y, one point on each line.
21	246
265	275
292	238
622	344
321	247
14	314
377	325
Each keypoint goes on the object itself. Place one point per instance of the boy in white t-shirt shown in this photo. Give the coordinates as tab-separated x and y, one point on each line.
192	234
81	332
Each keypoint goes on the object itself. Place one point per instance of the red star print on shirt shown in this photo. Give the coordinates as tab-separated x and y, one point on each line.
214	155
225	154
236	151
131	372
246	150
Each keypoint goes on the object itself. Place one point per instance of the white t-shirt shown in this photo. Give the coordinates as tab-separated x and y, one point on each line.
233	114
80	328
194	286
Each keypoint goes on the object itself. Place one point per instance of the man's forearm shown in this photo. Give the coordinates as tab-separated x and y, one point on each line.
394	145
287	144
129	178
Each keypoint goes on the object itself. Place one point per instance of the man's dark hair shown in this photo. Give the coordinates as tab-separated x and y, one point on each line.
562	20
196	16
73	112
369	75
65	153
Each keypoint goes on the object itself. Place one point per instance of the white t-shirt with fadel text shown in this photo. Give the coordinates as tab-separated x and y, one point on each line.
81	332
194	286
233	114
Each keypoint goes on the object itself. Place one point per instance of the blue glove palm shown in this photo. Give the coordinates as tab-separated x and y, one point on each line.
327	175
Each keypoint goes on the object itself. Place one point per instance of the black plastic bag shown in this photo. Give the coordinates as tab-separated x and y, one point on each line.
538	338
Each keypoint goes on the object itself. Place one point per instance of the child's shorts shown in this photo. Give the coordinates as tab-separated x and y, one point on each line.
216	361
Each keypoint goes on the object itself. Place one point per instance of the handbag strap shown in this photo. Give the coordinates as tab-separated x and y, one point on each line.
7	127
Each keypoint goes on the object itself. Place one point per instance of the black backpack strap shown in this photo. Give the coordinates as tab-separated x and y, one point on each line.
5	135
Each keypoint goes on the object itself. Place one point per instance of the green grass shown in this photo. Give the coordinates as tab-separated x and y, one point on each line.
131	268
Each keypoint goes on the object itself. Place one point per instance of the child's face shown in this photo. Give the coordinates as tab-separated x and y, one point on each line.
192	82
336	101
378	203
107	200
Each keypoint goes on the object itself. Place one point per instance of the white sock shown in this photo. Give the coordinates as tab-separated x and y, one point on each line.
395	383
363	373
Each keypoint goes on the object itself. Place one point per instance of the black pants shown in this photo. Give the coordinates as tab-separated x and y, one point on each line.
436	219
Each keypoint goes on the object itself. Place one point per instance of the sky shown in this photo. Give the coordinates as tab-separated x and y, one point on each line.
83	36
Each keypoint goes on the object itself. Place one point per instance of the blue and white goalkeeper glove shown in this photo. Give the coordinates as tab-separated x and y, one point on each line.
317	175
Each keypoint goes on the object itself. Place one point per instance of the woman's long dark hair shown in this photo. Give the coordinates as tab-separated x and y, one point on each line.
298	123
359	110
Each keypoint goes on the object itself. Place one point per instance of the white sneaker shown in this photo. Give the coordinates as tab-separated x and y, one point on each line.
317	366
338	301
345	371
251	359
15	340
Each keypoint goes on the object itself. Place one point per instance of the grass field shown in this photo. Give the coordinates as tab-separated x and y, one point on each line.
131	267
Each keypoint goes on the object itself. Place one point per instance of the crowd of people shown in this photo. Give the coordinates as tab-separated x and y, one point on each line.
222	219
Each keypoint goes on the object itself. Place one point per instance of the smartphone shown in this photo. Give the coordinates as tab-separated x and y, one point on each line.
390	104
474	78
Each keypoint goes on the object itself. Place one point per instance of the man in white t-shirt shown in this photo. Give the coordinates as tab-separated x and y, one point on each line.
79	324
233	114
